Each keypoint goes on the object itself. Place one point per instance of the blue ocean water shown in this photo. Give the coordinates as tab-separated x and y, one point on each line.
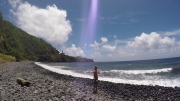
162	72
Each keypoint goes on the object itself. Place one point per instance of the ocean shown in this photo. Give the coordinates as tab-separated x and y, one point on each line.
161	72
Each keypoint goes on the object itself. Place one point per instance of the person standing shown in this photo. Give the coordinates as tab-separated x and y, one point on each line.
95	79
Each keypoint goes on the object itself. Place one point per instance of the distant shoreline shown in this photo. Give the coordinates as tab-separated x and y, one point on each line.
47	85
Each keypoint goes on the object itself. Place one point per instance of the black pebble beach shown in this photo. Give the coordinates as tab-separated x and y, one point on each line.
48	86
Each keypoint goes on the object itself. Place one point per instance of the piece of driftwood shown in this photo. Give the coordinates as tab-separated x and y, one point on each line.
23	82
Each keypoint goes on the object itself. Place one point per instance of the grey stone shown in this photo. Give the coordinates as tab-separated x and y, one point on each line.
55	99
35	92
73	99
1	88
50	100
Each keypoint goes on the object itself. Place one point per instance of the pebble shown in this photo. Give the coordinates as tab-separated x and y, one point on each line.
51	86
35	92
1	88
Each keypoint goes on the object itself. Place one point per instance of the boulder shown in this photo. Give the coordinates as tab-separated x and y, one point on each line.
23	82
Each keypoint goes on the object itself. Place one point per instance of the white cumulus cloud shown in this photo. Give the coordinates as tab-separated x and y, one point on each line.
73	51
95	45
145	46
109	47
49	23
151	41
104	40
14	3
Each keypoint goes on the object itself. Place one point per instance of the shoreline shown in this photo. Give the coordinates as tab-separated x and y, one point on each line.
50	86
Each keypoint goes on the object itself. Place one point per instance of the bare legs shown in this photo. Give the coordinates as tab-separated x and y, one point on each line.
95	88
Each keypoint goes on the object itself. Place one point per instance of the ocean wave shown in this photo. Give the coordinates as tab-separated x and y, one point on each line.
161	82
146	81
62	71
136	72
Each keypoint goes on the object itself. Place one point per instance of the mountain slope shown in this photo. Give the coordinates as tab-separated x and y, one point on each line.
21	45
16	42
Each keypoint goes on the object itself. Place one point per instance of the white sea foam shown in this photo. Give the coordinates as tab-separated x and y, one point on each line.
60	71
160	82
148	81
154	71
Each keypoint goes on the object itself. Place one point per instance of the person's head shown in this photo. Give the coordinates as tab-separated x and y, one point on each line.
95	67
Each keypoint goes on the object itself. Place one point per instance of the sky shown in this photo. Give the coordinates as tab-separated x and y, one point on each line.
103	30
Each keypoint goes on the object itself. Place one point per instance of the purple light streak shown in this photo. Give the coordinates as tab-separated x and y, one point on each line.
90	25
91	28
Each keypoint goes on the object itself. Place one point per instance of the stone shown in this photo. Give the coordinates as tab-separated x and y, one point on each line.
23	82
1	88
73	99
35	92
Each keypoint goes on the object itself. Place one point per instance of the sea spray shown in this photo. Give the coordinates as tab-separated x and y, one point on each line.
151	72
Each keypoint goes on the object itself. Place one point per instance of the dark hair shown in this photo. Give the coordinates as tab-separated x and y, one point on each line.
95	67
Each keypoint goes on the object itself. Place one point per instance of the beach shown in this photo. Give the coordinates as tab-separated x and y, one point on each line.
49	86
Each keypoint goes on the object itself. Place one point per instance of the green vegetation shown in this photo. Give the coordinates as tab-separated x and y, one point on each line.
6	58
21	45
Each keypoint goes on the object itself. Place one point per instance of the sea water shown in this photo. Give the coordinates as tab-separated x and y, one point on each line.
162	72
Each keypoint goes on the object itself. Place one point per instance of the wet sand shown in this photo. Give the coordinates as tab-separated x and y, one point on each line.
49	86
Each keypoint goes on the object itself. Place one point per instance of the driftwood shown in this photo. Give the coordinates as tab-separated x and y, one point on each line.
23	82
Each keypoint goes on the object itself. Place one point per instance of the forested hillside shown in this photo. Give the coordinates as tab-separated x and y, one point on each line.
16	42
21	45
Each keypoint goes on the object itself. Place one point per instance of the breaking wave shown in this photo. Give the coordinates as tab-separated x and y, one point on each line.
135	72
119	76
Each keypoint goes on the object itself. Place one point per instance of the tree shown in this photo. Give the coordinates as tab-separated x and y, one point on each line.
16	54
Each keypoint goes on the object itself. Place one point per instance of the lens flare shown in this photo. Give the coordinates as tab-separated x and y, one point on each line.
89	28
93	17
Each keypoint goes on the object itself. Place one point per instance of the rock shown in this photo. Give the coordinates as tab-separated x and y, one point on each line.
35	92
49	100
66	88
1	88
63	98
55	99
145	95
51	87
73	99
23	82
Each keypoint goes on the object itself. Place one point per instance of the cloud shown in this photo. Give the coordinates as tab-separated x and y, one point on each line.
133	20
95	45
96	55
144	46
109	55
171	33
104	39
109	47
14	3
49	23
151	41
73	51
